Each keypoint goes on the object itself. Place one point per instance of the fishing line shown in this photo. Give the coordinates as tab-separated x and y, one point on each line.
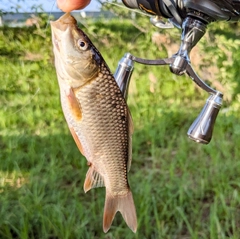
125	8
27	103
49	15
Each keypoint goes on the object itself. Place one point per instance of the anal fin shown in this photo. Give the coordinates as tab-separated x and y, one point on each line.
93	180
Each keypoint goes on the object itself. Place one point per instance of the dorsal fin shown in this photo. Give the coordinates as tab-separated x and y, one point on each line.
131	129
93	179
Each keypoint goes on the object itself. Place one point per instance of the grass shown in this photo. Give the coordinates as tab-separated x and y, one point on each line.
181	189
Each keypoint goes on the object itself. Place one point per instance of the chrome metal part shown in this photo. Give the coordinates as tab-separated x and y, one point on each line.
123	73
192	74
165	61
192	31
202	128
157	21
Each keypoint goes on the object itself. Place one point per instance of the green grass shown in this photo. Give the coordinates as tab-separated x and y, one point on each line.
181	189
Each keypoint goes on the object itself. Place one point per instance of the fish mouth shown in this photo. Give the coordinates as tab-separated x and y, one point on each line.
63	22
62	28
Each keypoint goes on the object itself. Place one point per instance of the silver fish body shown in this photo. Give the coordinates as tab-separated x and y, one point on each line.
97	116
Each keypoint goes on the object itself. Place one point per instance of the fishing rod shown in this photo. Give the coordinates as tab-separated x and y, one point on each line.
192	17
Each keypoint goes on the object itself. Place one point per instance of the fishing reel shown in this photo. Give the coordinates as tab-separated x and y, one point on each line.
176	10
192	17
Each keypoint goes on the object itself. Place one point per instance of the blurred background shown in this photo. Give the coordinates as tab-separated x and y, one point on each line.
40	6
181	189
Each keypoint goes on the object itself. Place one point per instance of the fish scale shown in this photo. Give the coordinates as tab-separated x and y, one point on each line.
101	137
97	116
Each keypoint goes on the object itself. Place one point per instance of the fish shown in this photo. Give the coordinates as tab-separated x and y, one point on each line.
98	117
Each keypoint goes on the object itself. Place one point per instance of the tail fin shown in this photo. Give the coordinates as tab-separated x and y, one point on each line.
123	204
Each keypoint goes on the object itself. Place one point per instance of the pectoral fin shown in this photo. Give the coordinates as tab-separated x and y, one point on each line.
93	180
74	105
77	141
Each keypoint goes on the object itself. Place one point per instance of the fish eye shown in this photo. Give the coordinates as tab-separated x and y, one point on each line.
82	44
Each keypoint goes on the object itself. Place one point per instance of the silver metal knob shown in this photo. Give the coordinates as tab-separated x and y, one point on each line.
123	73
202	128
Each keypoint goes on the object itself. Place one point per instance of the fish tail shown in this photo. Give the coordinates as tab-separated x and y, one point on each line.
123	204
